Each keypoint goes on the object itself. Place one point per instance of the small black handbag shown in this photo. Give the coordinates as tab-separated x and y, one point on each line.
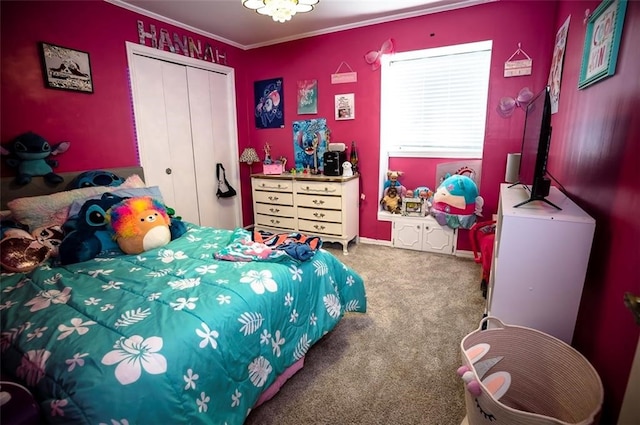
224	188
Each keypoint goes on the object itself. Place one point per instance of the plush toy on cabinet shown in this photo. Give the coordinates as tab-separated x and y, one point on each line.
456	202
391	201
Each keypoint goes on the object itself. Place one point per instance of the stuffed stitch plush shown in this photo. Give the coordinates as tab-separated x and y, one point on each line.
140	224
30	153
88	232
95	178
22	252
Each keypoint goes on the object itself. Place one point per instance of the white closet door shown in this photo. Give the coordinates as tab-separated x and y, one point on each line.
164	129
213	143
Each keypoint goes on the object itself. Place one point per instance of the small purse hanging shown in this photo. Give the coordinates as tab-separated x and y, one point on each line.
224	188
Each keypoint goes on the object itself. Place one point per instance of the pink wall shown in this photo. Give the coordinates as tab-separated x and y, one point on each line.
595	155
319	57
99	125
594	148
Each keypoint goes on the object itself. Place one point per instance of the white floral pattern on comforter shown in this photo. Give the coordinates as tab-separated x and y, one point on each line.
168	336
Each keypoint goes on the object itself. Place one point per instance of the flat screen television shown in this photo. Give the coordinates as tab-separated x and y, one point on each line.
532	173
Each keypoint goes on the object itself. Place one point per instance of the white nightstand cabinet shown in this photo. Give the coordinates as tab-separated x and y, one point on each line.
324	206
540	259
422	234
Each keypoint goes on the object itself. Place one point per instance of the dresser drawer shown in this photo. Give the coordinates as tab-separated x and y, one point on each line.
319	227
279	210
320	215
318	201
273	185
275	198
318	188
271	221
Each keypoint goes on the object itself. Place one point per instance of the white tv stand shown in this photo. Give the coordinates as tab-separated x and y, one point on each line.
539	263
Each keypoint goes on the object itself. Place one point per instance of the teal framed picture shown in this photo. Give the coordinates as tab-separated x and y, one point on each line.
601	42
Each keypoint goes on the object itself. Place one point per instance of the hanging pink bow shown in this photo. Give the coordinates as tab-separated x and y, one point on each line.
507	105
373	57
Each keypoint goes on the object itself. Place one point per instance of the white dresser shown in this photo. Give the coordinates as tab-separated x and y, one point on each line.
322	206
540	262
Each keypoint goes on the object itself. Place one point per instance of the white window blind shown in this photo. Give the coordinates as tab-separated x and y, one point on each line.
434	101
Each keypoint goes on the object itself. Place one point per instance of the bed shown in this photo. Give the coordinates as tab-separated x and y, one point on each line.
171	335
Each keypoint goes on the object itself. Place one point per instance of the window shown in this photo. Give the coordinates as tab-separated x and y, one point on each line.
434	101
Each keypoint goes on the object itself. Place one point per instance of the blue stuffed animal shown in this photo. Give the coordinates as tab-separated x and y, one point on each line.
95	178
88	233
29	153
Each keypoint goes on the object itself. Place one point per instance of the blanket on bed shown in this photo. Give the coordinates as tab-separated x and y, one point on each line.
168	336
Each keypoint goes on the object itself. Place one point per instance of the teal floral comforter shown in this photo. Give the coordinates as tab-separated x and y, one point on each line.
169	336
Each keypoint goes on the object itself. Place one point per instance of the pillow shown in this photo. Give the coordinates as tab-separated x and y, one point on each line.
39	211
152	191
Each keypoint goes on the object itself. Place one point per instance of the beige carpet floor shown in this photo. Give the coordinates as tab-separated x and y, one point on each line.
395	364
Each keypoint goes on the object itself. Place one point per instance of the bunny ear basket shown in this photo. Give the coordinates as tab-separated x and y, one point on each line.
514	375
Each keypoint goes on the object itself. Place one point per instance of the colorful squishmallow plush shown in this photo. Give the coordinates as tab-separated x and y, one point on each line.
140	224
456	202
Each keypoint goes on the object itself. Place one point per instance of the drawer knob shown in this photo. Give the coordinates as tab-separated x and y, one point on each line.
318	202
318	227
318	214
275	221
273	198
274	210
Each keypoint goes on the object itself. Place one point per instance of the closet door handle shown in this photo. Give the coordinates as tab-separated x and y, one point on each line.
168	171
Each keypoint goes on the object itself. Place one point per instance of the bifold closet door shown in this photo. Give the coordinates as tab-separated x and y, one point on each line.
163	121
212	122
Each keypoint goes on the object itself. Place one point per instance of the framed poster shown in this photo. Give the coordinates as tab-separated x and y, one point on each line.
65	68
310	143
269	103
345	107
601	42
555	74
307	97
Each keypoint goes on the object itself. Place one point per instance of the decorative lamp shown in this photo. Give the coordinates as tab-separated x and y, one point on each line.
249	156
280	10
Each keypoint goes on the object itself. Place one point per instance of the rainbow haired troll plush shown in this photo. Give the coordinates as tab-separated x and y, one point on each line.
140	224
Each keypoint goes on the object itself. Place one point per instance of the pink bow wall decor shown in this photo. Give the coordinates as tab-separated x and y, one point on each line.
507	105
373	56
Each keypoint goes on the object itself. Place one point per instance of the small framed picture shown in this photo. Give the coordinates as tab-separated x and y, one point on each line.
601	42
345	106
65	68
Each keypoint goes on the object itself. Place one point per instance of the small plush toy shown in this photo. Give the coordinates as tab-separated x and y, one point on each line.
140	224
22	252
391	201
347	169
392	178
29	153
88	233
95	178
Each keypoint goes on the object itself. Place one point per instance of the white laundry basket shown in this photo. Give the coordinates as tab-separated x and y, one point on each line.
523	376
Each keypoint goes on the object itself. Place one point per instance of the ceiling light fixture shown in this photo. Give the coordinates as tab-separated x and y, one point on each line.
280	10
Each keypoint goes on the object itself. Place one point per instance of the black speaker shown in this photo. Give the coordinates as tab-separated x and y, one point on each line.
332	163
